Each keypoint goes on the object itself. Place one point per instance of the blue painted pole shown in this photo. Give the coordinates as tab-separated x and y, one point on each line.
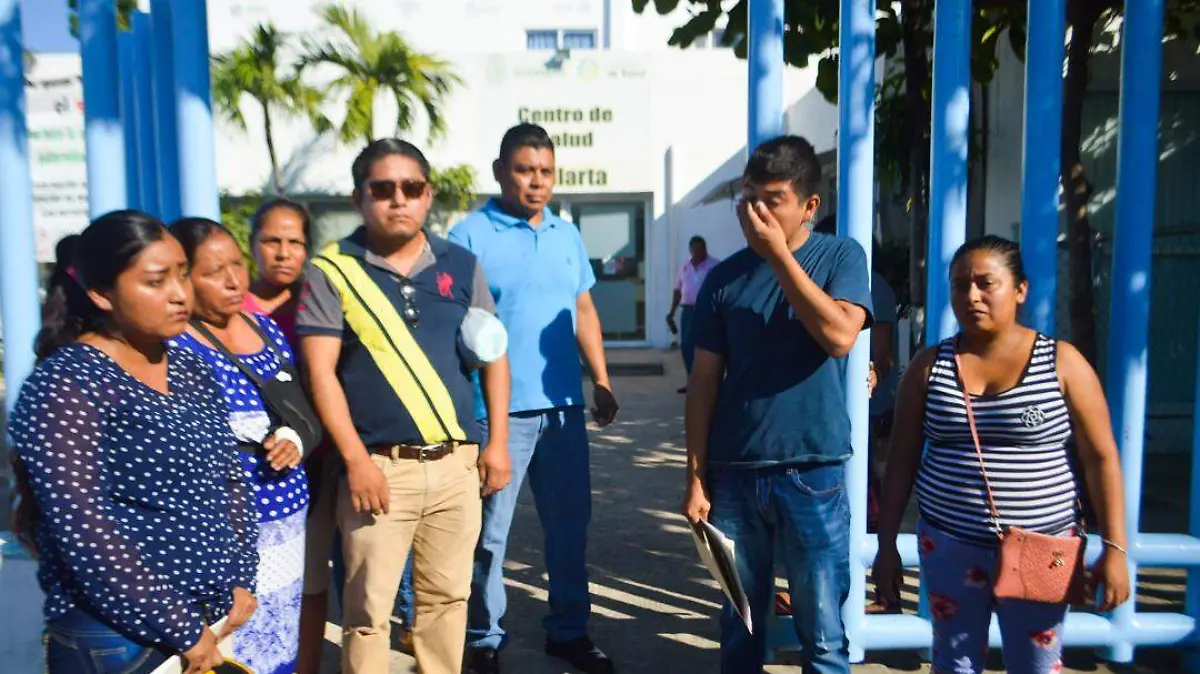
104	135
127	81
1191	603
165	122
18	259
948	159
193	104
856	218
144	102
765	57
1129	323
1041	158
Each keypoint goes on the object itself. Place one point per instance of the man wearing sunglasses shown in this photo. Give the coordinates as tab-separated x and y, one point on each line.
540	275
382	324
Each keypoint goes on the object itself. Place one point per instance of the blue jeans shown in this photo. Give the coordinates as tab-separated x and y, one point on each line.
77	643
687	345
551	447
802	511
958	576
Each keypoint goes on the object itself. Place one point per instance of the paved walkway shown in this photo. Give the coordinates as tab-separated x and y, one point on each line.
653	602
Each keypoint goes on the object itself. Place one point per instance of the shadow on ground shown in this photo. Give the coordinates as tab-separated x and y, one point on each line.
654	605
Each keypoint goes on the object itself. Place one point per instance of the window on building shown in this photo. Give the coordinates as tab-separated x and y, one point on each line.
541	40
579	39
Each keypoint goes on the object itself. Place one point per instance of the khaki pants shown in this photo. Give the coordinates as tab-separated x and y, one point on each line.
435	510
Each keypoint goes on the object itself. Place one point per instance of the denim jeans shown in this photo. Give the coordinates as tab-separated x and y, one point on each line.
77	643
802	512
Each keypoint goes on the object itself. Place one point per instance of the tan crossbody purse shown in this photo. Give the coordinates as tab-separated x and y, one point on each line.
1031	566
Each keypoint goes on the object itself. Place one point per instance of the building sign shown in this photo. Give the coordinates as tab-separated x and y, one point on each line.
54	104
596	108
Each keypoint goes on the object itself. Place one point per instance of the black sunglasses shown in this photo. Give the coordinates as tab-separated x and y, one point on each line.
382	190
408	293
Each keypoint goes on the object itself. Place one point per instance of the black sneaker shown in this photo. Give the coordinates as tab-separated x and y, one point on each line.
582	654
481	661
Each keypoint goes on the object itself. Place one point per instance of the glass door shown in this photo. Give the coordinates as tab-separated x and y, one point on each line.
614	234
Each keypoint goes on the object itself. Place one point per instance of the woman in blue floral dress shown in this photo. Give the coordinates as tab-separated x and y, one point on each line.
271	454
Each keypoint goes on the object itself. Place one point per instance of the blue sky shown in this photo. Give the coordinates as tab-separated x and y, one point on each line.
45	26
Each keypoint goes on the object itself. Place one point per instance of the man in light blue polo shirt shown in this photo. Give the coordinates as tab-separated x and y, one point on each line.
540	277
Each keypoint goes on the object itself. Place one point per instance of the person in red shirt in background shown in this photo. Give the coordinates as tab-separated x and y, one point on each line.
280	239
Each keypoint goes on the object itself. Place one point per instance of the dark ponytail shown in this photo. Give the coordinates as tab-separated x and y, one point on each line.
90	260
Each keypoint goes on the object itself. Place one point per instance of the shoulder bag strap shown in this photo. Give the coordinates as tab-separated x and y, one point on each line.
987	485
262	334
220	346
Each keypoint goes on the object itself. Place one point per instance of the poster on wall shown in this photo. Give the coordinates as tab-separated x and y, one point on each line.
595	106
54	105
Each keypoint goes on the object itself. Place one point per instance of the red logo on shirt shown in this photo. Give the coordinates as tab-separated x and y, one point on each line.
445	284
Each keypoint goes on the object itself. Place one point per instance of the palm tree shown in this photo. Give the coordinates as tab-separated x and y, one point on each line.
372	63
253	69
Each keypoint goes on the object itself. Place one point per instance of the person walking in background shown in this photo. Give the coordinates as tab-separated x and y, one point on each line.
271	452
132	496
280	237
883	370
540	275
766	421
1032	399
687	285
382	336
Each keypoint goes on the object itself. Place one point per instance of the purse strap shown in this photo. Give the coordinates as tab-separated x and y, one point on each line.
220	346
987	484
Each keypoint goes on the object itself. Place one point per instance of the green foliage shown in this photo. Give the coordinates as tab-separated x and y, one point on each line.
255	68
453	188
372	63
811	33
125	9
236	213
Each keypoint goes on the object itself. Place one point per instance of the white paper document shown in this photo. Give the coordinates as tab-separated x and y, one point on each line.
719	556
175	664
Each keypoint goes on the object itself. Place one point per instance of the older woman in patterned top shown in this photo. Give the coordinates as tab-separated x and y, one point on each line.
131	493
271	453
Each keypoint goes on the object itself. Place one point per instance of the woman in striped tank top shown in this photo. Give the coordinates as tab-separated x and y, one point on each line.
1034	399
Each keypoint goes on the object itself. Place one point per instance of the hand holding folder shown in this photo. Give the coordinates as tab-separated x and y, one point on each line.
718	554
230	666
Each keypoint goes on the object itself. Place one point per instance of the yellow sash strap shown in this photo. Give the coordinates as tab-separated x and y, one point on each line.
385	335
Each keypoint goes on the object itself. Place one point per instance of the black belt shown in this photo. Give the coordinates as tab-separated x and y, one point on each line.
422	453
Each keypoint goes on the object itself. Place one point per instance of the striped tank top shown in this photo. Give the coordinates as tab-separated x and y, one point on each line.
1025	434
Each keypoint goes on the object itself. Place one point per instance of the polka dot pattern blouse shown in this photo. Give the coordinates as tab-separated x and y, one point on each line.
145	518
276	494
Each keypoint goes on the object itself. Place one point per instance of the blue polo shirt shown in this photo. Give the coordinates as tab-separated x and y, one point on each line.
782	400
535	274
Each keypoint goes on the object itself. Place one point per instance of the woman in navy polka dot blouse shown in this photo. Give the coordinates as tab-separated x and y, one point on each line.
132	494
269	642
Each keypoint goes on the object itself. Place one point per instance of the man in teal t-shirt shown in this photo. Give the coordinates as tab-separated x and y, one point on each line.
767	427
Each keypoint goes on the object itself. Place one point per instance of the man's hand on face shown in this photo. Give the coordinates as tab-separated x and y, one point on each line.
762	231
